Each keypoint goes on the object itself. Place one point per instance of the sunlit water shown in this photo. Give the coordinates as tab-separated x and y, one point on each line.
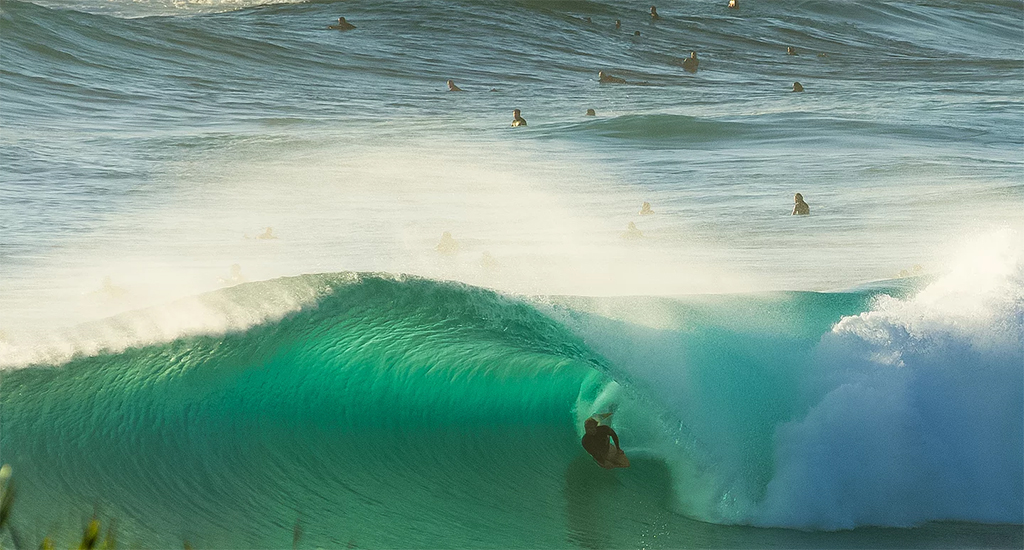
764	380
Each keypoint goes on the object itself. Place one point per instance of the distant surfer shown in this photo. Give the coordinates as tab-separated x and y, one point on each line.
452	87
690	63
645	209
488	263
448	245
618	24
110	290
591	112
632	232
235	277
797	87
800	208
734	4
609	79
595	441
517	119
636	33
342	25
654	14
790	50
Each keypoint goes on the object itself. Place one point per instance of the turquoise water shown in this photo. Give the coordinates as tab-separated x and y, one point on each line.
847	379
407	413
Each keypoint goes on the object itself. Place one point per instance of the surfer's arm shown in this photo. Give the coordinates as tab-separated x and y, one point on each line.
608	431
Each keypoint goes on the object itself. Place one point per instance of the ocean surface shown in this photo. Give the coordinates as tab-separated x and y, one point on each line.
229	319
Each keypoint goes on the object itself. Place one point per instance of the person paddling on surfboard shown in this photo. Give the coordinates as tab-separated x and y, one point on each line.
595	441
342	25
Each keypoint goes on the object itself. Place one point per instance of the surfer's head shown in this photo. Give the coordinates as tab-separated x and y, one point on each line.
798	198
591	112
693	55
341	21
790	50
590	425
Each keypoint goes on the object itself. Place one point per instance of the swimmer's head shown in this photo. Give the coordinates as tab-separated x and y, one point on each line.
798	198
654	10
590	425
515	113
591	112
790	50
797	87
618	24
636	33
600	74
693	55
341	20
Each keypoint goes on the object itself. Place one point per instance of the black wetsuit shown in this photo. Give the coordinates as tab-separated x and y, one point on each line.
597	443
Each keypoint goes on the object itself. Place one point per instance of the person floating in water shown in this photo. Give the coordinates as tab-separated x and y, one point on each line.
654	14
800	207
342	25
595	442
734	4
645	209
797	87
110	290
236	276
632	232
609	79
488	263
790	50
448	245
636	33
267	235
452	87
690	63
517	119
618	24
591	112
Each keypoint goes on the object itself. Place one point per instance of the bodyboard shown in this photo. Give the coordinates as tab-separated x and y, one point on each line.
616	459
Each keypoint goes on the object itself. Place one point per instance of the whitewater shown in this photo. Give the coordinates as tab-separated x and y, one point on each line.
227	318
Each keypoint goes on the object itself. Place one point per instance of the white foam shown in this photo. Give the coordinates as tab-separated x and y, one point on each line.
914	412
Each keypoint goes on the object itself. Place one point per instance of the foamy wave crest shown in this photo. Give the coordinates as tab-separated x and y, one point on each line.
231	309
915	408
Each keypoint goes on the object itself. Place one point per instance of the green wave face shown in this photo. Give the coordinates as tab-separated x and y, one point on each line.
394	412
387	406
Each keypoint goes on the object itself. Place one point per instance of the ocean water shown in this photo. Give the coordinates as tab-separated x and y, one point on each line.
852	378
